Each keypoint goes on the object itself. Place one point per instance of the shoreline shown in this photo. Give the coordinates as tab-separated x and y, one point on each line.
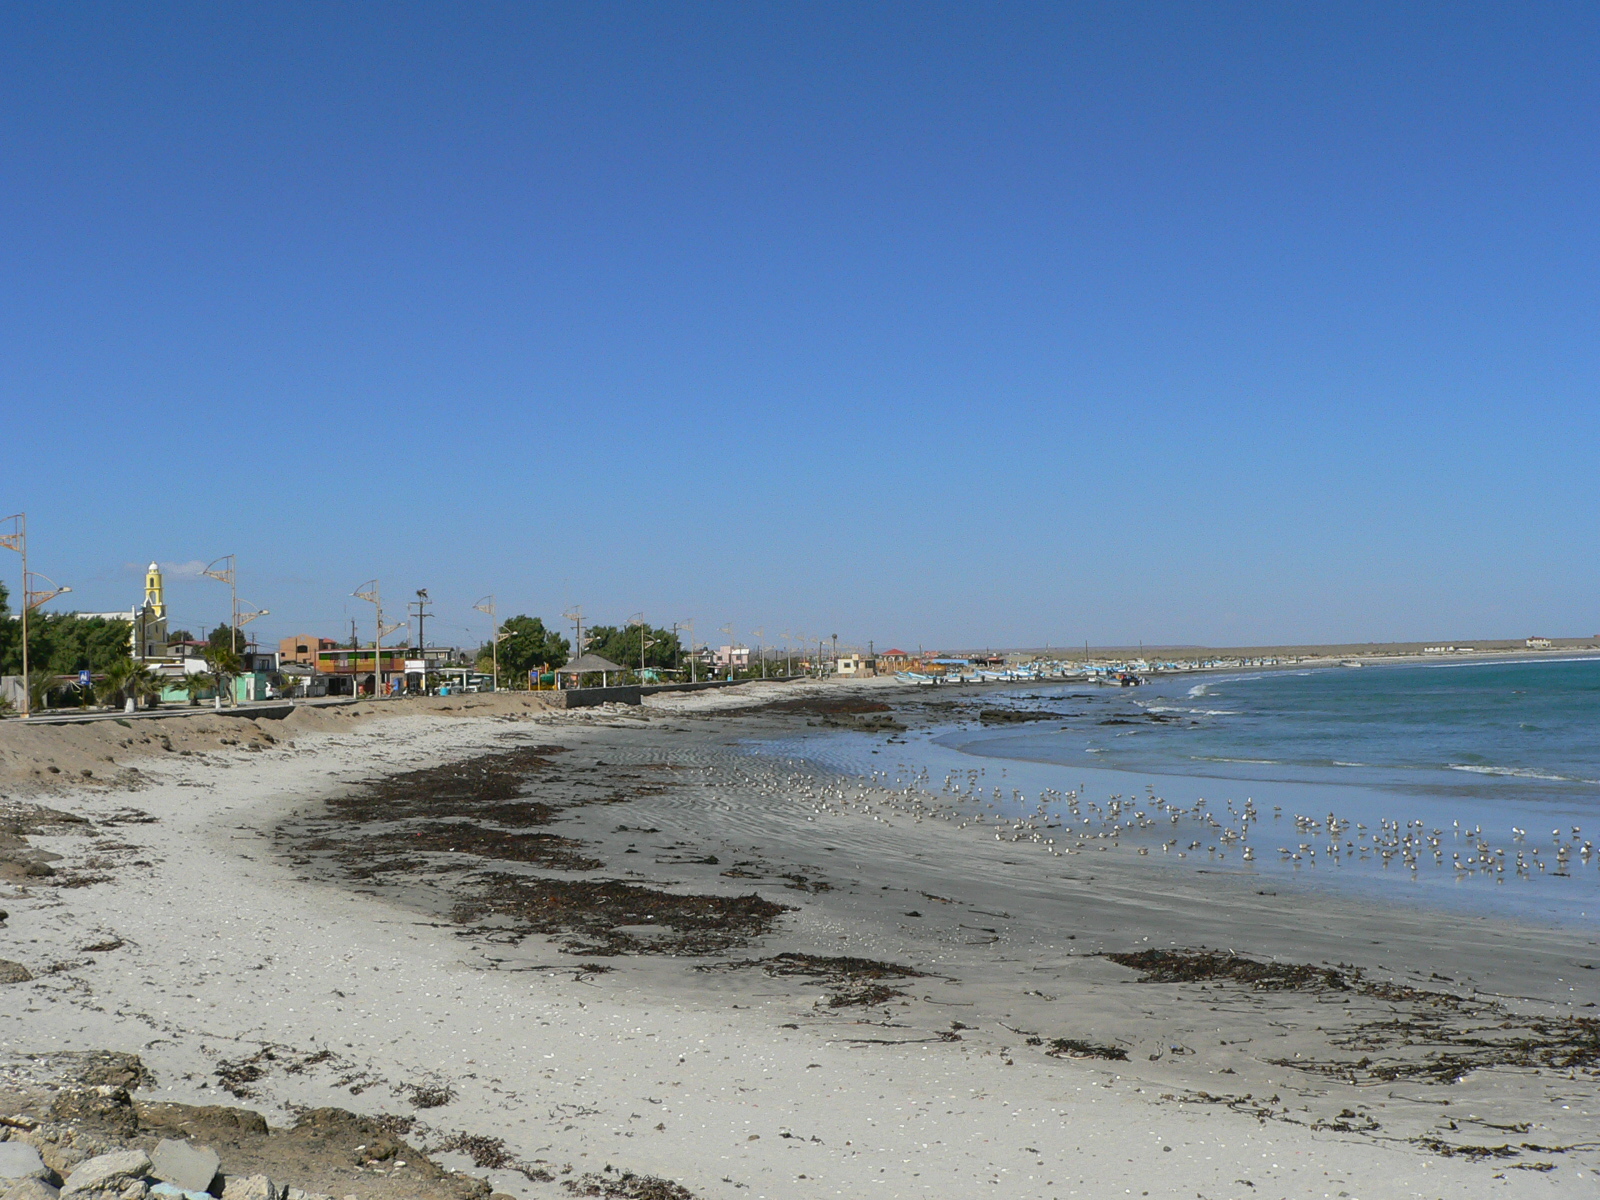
903	1092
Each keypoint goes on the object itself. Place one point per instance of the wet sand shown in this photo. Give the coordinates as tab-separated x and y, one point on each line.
664	954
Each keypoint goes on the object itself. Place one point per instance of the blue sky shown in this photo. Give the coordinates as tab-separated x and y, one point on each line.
923	324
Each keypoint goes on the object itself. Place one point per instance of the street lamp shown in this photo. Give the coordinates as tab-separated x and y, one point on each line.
486	606
369	591
230	577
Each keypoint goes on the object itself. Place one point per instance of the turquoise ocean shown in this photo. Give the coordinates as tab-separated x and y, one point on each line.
1481	779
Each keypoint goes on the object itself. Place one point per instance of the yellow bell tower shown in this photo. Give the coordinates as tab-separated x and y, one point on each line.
154	602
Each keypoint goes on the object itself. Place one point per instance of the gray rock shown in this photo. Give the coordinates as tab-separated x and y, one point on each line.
18	1160
252	1187
13	972
168	1191
172	1192
28	1189
108	1173
185	1165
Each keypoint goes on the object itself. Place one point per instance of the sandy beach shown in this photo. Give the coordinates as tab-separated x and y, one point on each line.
578	945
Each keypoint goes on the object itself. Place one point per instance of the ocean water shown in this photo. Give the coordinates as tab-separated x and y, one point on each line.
1442	780
1518	731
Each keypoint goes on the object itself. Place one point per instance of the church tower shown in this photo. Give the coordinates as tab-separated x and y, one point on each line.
150	622
153	599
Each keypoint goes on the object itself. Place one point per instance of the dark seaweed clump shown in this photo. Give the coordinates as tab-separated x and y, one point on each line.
627	1186
602	917
852	982
1078	1048
1014	716
473	785
1201	966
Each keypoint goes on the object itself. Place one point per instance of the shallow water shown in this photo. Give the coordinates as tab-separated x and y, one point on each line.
1454	770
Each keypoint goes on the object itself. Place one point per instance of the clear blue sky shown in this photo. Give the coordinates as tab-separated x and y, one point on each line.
977	324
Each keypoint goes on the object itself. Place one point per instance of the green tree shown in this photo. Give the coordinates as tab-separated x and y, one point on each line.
621	646
526	644
65	643
10	636
224	637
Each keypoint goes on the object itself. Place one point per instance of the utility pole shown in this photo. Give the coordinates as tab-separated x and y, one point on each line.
369	592
575	615
759	634
836	653
728	629
421	605
693	657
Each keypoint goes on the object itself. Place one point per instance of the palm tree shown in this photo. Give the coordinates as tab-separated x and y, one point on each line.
223	667
194	683
127	682
145	684
41	682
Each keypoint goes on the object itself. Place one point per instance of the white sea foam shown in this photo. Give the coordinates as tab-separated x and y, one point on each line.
1518	773
1179	708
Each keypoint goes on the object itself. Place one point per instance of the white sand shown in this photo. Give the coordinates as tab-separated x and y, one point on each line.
661	1070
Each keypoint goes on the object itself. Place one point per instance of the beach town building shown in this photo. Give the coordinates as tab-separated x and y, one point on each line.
737	657
147	622
891	661
303	648
1538	643
855	664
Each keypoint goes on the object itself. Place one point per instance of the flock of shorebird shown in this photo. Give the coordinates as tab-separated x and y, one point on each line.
1064	822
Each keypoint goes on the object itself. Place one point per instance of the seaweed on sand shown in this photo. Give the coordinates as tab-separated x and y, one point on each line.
1200	966
1078	1048
448	789
458	837
626	1186
852	981
608	917
1422	1036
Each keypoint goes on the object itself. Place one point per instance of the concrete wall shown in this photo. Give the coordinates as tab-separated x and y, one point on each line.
589	697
